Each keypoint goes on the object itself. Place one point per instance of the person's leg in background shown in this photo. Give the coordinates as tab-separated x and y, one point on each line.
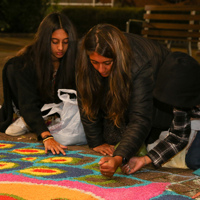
193	155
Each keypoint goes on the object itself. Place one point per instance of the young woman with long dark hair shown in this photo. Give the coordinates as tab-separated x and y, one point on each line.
33	77
115	77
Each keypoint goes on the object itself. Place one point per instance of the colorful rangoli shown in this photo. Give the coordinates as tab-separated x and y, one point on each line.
27	173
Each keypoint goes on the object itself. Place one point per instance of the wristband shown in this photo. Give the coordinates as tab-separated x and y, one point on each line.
124	161
47	138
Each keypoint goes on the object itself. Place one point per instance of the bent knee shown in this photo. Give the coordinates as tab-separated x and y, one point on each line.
193	162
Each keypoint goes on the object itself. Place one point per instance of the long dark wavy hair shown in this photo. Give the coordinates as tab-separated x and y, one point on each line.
110	42
39	53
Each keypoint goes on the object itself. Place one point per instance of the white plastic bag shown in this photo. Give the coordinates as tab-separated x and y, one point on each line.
69	131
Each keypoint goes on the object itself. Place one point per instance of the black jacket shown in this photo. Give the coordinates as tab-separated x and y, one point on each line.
148	58
24	94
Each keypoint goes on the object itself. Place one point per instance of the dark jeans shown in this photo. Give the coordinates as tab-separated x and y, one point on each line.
193	155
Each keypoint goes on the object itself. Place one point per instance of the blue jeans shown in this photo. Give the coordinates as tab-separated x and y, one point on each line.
193	155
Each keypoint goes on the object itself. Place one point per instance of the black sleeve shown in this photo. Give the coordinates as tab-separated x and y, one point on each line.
29	101
140	114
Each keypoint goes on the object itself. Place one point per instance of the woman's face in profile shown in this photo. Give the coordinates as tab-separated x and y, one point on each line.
102	64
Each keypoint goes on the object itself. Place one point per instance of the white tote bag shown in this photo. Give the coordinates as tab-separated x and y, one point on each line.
69	131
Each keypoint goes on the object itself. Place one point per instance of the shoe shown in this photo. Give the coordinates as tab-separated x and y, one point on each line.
18	127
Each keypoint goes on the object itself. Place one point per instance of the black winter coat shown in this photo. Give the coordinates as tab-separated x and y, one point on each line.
24	94
148	58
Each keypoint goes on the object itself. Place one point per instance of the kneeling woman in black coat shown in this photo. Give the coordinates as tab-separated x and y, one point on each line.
116	73
33	77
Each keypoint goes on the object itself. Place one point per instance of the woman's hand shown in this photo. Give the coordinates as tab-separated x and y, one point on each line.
52	145
135	163
105	149
108	165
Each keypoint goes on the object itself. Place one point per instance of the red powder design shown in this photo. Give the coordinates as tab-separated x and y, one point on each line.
27	150
44	170
6	197
58	160
28	158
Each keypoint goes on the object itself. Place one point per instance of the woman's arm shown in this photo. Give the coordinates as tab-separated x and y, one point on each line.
140	117
167	148
139	113
51	144
94	133
28	99
29	103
